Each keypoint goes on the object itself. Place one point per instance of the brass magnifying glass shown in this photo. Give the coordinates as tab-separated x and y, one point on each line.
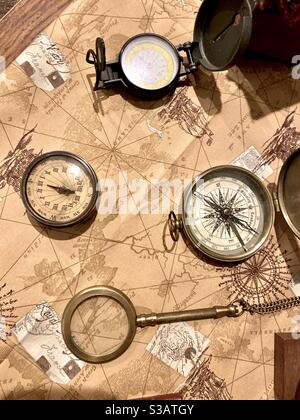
99	323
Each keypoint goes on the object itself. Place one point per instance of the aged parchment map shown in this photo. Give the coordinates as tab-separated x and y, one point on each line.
210	120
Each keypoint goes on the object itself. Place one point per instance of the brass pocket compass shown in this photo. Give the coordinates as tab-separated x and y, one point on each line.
59	189
228	213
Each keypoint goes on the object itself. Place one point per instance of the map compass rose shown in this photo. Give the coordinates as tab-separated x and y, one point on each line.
262	278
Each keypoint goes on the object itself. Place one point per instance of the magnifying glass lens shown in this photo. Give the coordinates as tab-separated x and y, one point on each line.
99	326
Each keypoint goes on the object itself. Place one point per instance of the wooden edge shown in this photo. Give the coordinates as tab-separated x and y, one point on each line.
24	22
286	367
278	366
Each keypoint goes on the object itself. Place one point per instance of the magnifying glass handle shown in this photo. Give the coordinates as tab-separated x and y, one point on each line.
215	312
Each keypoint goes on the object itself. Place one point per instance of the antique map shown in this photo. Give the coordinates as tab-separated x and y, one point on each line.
210	120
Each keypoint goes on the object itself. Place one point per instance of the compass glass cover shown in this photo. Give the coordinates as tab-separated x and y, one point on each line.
228	214
59	189
150	62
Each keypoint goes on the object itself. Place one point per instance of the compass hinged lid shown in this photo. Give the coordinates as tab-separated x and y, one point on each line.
222	32
289	192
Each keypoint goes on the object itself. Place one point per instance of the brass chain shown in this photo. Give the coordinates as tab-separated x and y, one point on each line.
272	307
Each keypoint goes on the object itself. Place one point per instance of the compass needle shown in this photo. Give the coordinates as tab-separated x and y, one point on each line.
237	234
244	224
235	21
62	190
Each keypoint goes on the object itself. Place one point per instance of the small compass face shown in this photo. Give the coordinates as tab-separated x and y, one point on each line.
228	213
59	189
150	62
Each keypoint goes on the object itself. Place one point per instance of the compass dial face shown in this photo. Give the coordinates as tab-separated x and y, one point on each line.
59	189
150	62
228	213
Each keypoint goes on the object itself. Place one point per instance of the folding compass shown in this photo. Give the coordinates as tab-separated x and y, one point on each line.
149	65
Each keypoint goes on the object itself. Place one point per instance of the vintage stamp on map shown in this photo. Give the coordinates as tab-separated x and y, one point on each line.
39	332
44	63
179	346
252	160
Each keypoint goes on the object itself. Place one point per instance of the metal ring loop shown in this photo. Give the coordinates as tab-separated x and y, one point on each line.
173	226
240	306
92	60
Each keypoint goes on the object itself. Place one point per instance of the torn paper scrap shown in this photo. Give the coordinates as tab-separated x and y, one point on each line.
44	63
178	346
252	160
39	332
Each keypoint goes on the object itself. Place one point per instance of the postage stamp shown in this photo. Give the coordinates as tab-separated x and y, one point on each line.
39	332
45	63
178	345
251	160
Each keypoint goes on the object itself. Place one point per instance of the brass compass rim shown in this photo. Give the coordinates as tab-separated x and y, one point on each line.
77	300
270	221
31	211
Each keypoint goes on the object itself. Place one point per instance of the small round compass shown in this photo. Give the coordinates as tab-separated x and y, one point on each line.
59	189
149	62
227	214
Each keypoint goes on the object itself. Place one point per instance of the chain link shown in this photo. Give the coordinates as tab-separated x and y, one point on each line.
272	307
